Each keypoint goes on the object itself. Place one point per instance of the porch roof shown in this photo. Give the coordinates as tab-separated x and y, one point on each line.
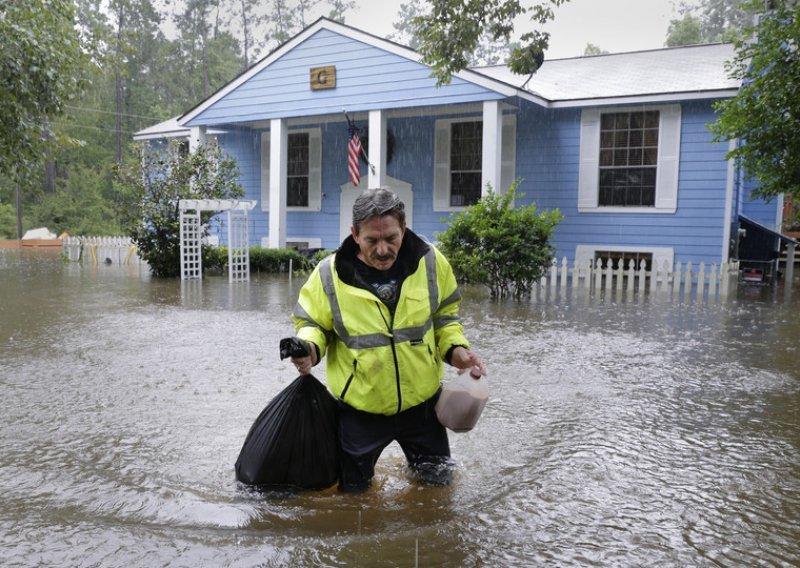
168	129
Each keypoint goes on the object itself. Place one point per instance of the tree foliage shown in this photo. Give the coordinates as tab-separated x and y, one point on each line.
131	76
496	244
592	49
765	115
686	31
40	54
155	180
453	29
711	21
488	51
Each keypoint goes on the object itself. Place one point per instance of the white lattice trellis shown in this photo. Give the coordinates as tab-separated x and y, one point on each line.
191	259
238	247
238	242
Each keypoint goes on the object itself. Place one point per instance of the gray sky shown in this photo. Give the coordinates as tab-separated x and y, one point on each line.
612	25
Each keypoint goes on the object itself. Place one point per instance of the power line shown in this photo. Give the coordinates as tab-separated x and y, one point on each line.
90	127
112	112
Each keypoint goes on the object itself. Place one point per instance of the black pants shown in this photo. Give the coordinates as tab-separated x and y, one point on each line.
363	437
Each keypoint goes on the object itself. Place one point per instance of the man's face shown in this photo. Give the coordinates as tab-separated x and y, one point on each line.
379	241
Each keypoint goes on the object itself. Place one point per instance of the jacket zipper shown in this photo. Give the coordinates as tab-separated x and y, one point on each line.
394	357
349	380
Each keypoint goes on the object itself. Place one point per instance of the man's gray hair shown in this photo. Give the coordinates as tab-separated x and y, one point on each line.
376	203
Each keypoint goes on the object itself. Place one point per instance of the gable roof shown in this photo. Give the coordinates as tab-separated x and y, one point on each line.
659	75
307	48
679	73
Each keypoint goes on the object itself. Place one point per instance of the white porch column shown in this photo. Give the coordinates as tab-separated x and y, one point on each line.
278	158
377	148
197	137
492	146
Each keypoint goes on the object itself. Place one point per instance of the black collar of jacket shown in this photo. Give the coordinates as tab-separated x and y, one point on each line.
411	251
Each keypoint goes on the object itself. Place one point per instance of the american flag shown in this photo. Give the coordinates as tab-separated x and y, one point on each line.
353	153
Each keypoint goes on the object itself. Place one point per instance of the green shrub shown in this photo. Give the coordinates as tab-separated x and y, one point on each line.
321	255
155	181
276	260
262	260
215	259
8	221
498	245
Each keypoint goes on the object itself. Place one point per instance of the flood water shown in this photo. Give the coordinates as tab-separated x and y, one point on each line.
617	433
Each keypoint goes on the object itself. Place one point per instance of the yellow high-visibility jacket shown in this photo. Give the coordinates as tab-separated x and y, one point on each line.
377	362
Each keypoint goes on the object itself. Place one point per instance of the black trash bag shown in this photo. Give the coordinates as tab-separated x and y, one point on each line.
293	443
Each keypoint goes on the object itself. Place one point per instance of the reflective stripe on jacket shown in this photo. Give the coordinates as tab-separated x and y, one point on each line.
376	362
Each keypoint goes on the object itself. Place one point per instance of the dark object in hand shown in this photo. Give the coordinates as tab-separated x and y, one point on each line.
293	347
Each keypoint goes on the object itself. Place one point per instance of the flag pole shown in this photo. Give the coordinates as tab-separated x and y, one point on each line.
363	151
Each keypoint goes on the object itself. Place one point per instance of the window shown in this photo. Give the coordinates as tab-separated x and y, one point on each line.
303	170
466	141
458	157
179	149
629	160
297	177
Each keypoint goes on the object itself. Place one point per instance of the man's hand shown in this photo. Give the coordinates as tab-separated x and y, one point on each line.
464	360
305	363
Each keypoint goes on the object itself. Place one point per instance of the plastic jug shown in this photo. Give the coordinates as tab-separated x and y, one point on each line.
462	401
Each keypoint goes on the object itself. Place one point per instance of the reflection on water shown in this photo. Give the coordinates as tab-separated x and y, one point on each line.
618	432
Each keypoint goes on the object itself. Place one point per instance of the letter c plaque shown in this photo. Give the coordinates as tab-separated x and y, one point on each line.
323	77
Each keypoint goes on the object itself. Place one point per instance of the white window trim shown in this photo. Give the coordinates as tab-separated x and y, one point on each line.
441	153
585	253
669	146
314	169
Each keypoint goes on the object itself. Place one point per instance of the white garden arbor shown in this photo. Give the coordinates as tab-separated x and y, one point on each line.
238	239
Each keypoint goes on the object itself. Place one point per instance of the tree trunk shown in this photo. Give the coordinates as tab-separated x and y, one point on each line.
246	34
50	176
118	90
206	85
19	211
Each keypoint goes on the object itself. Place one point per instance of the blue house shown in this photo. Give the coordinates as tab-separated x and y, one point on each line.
618	143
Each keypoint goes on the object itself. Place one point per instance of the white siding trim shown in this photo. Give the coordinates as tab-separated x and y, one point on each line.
669	158
277	183
265	171
197	137
727	220
377	148
314	171
491	148
441	166
640	99
585	253
589	162
669	145
312	242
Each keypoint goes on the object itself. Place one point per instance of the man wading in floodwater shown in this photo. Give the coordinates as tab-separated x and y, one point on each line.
385	310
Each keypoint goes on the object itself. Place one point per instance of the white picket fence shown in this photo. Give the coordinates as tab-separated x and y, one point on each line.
601	277
101	250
